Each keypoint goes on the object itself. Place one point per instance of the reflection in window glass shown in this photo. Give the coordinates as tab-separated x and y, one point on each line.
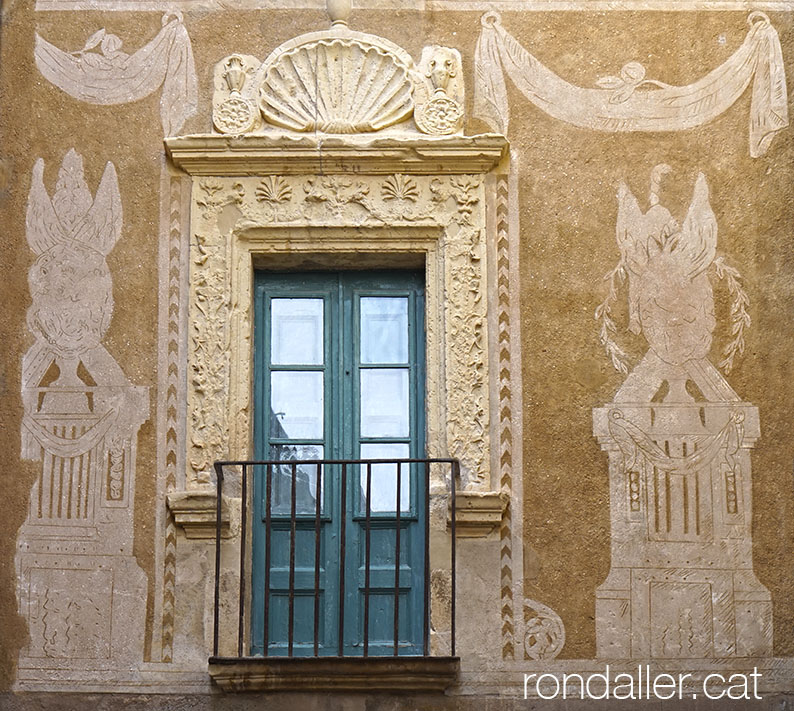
384	402
384	329
296	331
384	477
305	478
296	401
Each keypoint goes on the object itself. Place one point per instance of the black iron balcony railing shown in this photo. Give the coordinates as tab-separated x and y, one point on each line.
280	509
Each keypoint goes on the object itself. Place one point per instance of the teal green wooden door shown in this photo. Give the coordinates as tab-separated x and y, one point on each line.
339	374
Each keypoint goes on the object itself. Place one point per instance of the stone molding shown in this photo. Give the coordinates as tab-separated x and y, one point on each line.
372	675
479	513
296	154
679	6
196	512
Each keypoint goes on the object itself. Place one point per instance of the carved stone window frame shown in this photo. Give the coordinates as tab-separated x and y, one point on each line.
310	247
257	200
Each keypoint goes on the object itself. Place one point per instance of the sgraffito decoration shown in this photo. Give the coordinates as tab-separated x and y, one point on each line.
78	582
102	73
544	632
681	583
630	101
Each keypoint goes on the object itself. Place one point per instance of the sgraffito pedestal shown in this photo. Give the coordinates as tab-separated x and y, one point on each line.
681	583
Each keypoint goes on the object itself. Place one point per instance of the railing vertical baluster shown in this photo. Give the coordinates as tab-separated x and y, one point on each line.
243	556
268	534
366	558
318	489
291	633
245	586
453	554
426	628
397	562
216	617
342	552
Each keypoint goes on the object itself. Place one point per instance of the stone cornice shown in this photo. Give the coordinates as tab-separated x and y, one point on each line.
291	154
478	513
196	512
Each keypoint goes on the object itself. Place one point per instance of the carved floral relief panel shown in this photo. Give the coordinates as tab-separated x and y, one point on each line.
364	211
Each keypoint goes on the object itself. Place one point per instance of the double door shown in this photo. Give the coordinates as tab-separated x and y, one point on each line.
339	375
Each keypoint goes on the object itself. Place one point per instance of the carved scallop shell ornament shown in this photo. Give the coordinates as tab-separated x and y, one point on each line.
336	85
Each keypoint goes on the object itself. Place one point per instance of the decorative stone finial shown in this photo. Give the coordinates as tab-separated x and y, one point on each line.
338	11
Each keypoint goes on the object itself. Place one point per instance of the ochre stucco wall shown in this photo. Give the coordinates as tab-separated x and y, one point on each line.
567	207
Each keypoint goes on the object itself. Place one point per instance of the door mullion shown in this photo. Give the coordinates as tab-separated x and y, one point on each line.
341	438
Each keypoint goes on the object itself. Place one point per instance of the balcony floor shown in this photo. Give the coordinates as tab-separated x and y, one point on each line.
349	674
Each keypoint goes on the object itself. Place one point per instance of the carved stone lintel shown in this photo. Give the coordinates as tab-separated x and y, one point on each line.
478	513
196	513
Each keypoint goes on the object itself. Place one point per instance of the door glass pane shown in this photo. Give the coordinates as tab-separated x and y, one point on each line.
296	401
384	477
384	329
305	478
384	402
296	331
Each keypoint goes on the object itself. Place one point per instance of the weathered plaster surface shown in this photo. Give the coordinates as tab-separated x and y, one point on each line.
554	226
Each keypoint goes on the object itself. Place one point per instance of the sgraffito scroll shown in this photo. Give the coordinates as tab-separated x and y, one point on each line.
630	101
